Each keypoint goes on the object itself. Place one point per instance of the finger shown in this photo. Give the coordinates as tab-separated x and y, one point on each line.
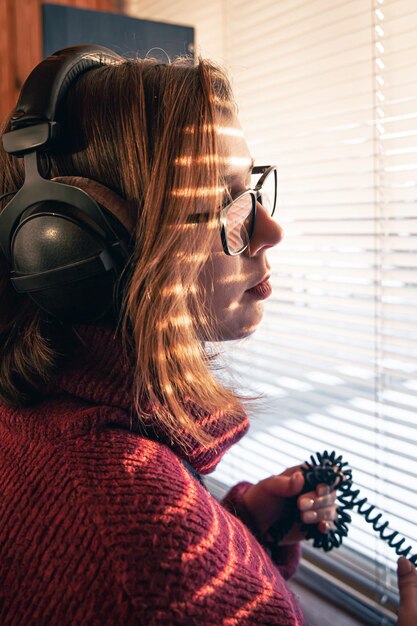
291	470
324	490
325	526
311	501
407	584
284	486
325	501
314	516
328	514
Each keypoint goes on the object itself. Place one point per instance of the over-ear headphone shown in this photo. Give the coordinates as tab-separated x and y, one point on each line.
66	252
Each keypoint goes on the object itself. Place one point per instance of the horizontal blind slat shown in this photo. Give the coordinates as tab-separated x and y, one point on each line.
332	101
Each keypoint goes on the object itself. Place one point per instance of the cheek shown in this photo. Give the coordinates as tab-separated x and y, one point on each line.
221	279
222	283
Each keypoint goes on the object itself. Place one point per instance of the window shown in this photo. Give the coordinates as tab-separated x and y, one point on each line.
328	91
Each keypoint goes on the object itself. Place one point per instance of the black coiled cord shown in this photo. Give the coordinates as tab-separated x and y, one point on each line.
331	470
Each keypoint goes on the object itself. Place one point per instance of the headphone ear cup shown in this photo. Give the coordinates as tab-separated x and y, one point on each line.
53	240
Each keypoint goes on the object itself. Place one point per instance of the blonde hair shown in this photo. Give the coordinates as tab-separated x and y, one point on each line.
148	131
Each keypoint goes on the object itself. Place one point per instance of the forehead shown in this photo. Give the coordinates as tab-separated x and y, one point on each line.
234	153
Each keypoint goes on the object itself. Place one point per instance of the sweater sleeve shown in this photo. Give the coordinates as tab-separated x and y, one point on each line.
285	557
176	554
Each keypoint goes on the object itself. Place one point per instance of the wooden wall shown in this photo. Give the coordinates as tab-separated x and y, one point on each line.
21	42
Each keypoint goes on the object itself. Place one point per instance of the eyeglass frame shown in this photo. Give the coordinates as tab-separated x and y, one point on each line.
198	218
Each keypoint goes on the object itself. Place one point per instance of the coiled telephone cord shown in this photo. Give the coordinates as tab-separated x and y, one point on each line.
330	469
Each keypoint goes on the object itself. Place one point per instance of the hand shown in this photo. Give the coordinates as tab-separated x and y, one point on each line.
407	584
265	502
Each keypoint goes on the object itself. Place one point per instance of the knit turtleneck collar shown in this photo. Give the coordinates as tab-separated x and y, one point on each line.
98	374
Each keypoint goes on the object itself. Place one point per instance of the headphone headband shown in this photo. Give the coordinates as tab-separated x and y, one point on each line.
33	124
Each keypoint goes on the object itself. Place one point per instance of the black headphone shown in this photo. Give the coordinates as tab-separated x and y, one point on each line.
67	252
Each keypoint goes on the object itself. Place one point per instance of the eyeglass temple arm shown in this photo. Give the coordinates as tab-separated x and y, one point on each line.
260	169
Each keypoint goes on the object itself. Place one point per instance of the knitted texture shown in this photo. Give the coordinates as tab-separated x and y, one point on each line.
102	525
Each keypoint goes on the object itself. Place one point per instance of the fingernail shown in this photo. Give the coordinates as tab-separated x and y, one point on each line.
295	476
323	490
306	503
327	527
404	566
310	516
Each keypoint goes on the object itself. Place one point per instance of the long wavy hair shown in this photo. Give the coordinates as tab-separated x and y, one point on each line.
146	130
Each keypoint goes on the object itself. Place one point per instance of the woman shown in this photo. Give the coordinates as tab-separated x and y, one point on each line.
106	425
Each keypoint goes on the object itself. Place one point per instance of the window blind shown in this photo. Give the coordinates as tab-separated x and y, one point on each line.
327	91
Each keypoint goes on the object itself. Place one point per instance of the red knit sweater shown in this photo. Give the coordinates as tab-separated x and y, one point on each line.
101	525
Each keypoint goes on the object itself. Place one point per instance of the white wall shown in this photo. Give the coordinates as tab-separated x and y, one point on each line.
209	40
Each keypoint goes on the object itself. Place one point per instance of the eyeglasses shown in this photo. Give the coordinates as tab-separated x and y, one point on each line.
237	218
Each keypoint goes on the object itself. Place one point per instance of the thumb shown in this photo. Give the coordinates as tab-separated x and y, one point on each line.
407	584
286	486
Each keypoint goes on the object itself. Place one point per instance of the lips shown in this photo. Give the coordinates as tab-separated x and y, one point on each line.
264	279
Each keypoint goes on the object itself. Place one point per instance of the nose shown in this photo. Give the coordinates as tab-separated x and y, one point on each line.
267	232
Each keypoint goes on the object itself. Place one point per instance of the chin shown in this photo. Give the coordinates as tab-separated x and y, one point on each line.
239	329
237	325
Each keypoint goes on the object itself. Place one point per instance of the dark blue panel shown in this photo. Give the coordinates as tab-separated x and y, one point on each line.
65	26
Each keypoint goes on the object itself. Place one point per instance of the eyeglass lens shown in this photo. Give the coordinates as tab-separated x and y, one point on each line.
238	223
239	215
